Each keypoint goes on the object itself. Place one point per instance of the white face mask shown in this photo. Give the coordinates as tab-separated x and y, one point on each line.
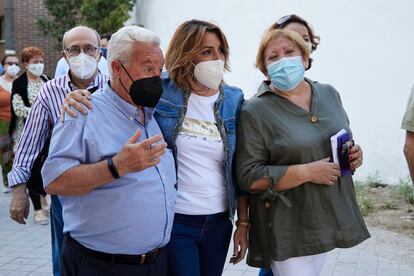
36	69
210	73
12	70
83	66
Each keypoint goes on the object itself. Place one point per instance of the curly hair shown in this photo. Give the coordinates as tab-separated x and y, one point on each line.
29	52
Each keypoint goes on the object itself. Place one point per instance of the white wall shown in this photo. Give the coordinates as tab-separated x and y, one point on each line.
365	52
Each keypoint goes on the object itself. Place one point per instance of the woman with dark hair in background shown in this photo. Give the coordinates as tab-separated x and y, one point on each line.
297	24
11	67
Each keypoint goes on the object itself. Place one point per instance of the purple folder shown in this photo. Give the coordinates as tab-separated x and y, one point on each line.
343	153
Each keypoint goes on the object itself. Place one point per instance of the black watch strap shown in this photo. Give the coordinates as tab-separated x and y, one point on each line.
112	168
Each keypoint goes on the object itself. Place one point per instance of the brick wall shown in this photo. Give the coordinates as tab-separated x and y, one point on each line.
28	34
2	49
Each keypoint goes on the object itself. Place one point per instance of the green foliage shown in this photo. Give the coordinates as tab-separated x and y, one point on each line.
102	15
391	204
105	16
364	200
64	14
405	190
399	195
373	180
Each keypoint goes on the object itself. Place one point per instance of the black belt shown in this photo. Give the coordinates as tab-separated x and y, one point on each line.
147	258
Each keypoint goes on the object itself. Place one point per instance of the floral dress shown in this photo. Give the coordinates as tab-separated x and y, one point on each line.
22	111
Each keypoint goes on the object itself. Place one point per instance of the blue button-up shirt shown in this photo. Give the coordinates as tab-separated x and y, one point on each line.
130	215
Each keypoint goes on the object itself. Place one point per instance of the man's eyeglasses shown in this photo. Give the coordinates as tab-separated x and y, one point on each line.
88	49
12	63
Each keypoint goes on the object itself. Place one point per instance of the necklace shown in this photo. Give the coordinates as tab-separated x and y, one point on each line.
202	92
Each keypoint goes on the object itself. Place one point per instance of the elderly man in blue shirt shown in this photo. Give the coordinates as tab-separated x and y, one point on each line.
112	171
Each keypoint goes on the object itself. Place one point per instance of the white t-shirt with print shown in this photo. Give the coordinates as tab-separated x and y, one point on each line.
200	156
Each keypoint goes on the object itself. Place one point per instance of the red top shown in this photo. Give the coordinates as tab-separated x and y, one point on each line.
5	105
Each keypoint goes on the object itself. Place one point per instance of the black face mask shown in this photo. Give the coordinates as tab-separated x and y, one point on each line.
144	92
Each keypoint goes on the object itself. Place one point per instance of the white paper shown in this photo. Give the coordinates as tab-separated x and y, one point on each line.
334	145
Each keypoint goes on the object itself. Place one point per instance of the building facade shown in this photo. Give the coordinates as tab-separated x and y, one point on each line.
26	32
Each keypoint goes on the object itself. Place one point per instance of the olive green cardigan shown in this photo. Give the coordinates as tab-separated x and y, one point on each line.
310	219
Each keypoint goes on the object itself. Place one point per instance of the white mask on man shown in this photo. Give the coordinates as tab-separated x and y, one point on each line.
210	73
36	69
12	70
83	66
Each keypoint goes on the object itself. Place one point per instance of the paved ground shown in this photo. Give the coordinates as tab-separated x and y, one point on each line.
25	250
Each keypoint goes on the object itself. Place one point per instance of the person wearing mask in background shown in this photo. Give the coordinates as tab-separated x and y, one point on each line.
104	43
297	24
198	114
300	205
11	67
62	67
24	92
81	50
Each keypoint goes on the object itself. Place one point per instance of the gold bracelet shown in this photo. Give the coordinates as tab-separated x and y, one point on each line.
242	222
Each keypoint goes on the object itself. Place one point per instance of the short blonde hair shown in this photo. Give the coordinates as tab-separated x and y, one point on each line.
186	41
274	34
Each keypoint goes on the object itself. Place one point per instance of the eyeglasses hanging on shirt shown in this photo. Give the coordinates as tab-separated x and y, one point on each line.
72	87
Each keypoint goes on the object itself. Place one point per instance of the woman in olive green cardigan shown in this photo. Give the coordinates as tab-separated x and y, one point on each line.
300	205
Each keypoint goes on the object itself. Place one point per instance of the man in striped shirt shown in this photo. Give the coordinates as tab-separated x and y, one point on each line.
81	50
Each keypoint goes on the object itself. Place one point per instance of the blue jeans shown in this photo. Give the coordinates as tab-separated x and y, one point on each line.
263	272
199	244
56	232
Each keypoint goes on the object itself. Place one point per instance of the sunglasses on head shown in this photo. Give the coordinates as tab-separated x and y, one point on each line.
283	20
287	19
12	63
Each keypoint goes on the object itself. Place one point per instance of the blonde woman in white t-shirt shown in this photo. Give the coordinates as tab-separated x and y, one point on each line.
198	115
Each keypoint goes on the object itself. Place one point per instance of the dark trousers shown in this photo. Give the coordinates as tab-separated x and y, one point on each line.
56	233
35	197
76	262
199	244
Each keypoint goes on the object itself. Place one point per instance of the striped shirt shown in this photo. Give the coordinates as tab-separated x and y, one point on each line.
44	114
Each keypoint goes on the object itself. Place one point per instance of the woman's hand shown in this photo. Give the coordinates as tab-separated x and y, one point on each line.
355	157
76	100
322	172
240	244
260	185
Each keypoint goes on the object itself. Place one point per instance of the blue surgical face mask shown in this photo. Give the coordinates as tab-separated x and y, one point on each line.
286	73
